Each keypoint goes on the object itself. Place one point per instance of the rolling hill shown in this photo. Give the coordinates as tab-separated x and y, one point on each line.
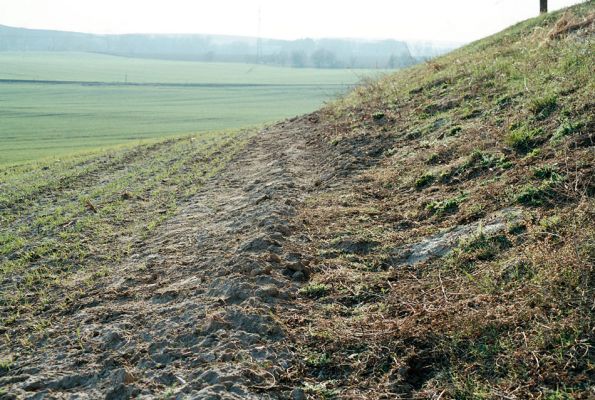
428	235
321	53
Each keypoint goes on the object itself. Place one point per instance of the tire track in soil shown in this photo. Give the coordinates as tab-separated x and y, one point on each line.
194	314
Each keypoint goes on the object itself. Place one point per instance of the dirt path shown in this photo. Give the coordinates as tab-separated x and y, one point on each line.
194	313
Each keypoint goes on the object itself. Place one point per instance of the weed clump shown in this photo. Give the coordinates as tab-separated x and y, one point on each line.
441	207
547	172
433	159
531	195
314	290
524	139
566	128
378	116
6	364
517	228
424	181
479	247
455	130
479	159
543	107
317	360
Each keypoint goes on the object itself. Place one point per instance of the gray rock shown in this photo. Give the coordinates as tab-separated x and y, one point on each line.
298	394
211	377
267	292
442	243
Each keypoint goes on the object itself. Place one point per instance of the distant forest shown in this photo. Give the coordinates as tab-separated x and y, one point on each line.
318	53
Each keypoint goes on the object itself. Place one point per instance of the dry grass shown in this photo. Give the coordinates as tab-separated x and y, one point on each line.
504	316
568	24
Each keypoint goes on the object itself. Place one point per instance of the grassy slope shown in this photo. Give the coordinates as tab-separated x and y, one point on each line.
504	122
54	120
71	221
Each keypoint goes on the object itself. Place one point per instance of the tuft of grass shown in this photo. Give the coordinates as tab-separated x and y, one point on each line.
566	128
6	364
378	116
479	247
550	224
479	159
524	139
547	172
314	290
517	228
424	180
441	207
531	195
321	391
433	159
317	360
455	130
543	107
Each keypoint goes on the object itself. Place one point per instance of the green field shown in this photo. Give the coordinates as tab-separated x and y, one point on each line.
55	104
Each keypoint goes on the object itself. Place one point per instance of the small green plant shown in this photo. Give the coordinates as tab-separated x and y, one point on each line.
314	290
472	113
169	393
335	141
433	159
484	247
424	180
6	364
547	172
504	101
534	153
378	116
517	271
321	391
517	228
504	163
446	176
441	207
455	130
531	195
559	394
550	224
317	360
416	134
479	247
543	107
566	128
479	159
476	157
524	139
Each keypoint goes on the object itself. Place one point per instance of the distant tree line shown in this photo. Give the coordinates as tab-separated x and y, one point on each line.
322	53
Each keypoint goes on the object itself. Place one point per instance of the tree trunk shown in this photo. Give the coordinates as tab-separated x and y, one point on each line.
543	6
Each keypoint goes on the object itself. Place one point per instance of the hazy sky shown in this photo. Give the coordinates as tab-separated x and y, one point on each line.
446	20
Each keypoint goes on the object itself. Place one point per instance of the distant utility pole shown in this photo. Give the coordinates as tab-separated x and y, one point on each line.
543	6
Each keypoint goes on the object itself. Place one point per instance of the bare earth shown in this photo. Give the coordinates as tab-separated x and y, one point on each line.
194	311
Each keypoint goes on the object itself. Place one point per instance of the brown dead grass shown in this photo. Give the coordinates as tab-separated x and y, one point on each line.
568	23
507	319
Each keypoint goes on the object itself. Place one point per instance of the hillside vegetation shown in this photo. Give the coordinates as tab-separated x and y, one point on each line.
428	236
460	264
82	215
